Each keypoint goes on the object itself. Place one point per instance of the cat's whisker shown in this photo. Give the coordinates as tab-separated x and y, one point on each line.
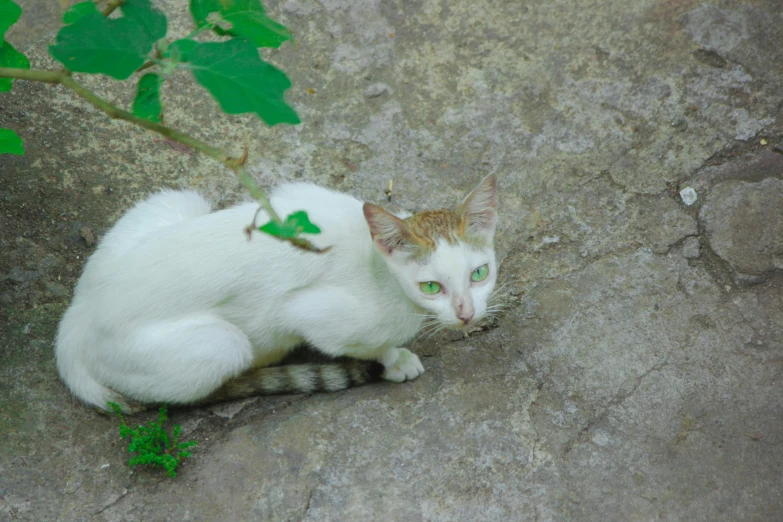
423	316
433	329
431	335
498	290
497	296
428	328
504	285
497	300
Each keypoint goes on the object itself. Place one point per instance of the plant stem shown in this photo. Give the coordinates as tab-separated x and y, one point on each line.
32	74
258	194
199	30
111	6
115	112
64	78
146	65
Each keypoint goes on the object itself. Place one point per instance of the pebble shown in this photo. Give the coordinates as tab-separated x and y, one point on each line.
48	262
56	289
688	196
86	234
376	89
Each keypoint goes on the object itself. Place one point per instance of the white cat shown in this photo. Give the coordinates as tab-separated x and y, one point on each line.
177	306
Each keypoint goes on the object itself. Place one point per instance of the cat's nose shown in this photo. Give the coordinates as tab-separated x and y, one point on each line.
464	309
465	316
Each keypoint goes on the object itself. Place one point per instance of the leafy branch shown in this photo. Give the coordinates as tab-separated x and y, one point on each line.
231	70
236	164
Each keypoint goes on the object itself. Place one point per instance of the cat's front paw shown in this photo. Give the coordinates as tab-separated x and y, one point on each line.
401	365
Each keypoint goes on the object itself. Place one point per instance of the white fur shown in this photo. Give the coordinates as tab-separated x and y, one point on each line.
176	300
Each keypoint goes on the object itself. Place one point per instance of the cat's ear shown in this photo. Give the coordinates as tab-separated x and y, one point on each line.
389	232
479	209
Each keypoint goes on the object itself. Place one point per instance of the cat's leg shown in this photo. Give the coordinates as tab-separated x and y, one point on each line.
343	327
400	365
180	361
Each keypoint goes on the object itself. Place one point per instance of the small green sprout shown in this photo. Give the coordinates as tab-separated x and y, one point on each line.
152	444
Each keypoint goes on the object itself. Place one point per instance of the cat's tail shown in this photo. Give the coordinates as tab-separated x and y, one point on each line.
298	378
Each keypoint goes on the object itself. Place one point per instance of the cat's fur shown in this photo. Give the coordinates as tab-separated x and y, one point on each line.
177	306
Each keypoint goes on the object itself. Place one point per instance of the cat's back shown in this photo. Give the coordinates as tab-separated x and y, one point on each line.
204	254
337	214
314	198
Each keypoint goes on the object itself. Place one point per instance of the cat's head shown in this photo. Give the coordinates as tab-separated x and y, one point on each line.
443	259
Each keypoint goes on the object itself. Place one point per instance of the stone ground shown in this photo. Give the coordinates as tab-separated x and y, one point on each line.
637	373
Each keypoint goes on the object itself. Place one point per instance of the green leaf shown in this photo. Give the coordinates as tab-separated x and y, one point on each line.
179	50
273	229
247	19
153	21
115	47
295	224
10	142
10	57
302	222
147	102
200	10
78	10
240	81
95	44
9	14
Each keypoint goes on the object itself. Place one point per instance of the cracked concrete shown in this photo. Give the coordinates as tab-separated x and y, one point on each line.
636	372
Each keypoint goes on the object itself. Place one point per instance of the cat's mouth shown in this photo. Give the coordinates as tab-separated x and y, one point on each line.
463	326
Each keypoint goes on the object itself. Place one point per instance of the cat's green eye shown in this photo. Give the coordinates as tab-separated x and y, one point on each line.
430	287
479	274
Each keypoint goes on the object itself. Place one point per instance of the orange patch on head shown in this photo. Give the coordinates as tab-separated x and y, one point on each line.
431	225
472	222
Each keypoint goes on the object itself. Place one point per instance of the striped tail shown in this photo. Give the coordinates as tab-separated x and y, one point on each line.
299	378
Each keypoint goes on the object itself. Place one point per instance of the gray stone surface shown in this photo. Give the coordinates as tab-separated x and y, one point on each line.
629	378
691	248
754	167
752	248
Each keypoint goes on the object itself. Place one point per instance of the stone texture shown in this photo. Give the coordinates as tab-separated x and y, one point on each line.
57	289
744	223
691	248
628	377
19	275
755	167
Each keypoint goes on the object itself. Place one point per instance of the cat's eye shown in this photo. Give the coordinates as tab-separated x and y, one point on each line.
430	287
479	274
